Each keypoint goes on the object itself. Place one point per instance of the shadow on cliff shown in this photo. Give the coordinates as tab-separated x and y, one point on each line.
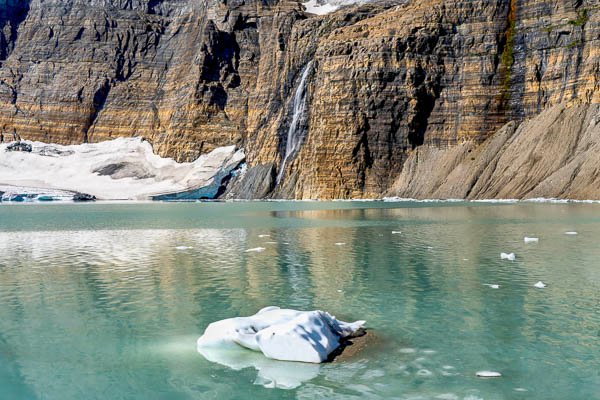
12	14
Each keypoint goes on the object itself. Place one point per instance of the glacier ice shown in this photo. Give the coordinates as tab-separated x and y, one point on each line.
120	169
282	334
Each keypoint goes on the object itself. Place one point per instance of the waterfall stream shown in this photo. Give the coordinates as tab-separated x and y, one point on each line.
295	133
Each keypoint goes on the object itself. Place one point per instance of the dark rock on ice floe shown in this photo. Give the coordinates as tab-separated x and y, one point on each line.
83	197
19	146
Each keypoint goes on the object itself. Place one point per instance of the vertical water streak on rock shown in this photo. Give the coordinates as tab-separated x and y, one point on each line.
295	133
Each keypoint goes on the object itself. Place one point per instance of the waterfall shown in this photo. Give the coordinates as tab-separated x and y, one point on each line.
295	131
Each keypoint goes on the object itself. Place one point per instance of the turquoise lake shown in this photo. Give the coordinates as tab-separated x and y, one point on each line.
106	301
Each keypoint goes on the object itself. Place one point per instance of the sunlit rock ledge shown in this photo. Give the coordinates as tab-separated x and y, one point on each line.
120	169
280	334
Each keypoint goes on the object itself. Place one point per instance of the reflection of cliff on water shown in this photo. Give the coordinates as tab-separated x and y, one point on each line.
111	295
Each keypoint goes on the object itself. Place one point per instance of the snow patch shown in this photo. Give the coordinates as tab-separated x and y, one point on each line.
322	7
120	169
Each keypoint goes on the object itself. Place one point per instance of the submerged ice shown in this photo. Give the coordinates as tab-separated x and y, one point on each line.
120	169
282	334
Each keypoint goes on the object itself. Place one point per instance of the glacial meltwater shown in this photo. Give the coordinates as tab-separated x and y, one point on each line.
106	301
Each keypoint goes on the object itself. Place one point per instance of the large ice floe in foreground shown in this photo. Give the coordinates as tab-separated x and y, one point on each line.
281	334
120	169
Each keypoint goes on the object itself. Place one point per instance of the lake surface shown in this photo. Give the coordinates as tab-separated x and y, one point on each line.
106	301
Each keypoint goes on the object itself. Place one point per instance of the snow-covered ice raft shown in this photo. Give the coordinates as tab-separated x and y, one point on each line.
283	334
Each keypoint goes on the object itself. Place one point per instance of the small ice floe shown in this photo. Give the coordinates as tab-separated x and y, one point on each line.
488	374
540	285
256	250
264	236
340	244
507	256
424	372
531	239
183	247
396	232
492	285
408	350
572	233
282	334
449	370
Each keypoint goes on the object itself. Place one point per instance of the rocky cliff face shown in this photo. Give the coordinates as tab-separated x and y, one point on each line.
350	100
554	155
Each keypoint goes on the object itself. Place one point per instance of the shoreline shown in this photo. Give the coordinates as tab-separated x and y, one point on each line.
60	198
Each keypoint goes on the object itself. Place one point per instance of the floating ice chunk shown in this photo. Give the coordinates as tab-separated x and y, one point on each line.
407	350
492	285
264	236
424	372
256	250
340	244
507	256
396	232
540	285
531	239
183	247
571	233
282	334
488	374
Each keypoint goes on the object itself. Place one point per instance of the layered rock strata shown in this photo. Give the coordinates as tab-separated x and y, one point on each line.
389	81
554	155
